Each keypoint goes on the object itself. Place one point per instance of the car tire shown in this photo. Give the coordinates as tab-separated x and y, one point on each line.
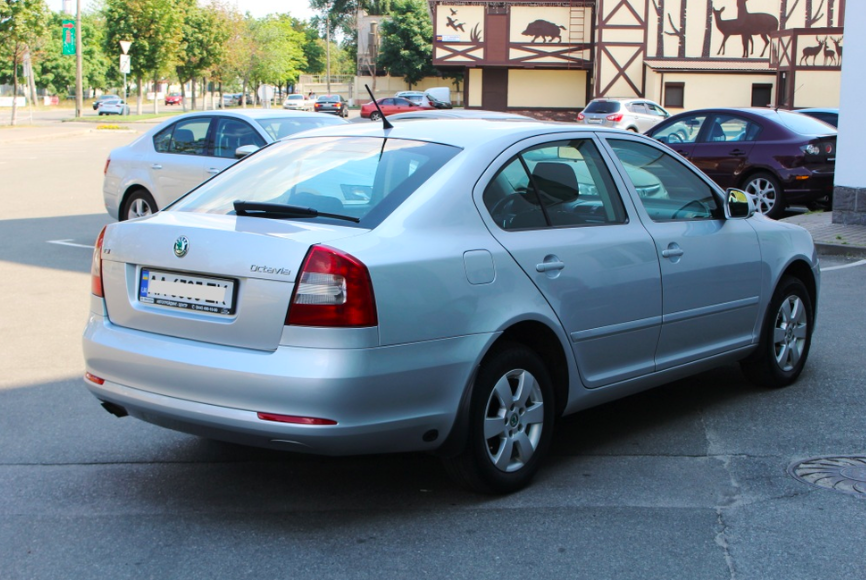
786	337
375	116
767	192
510	422
139	203
345	113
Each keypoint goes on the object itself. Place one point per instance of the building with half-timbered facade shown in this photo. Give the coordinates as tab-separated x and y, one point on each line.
551	57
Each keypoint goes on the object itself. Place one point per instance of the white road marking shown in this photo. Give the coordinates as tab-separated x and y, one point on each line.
860	263
69	243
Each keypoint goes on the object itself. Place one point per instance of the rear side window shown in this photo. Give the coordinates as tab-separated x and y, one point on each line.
231	134
602	107
560	184
685	130
187	137
280	127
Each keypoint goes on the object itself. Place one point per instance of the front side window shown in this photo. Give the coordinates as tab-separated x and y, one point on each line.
685	130
560	184
362	177
231	134
667	188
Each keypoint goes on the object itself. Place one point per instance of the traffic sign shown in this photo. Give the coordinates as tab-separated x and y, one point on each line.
124	45
125	61
68	37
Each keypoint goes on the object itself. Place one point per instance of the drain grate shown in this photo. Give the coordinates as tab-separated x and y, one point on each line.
845	474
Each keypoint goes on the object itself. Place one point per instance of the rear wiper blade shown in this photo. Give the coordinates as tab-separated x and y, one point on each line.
261	209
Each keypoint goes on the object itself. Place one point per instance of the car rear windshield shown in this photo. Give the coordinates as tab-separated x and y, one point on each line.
279	127
359	177
295	98
804	124
604	107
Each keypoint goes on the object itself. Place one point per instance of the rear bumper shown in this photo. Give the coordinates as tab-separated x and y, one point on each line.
817	185
384	399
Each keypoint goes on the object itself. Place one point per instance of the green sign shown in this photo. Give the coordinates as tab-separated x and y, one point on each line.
68	37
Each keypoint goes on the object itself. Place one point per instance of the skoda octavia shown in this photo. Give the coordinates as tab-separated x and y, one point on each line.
452	287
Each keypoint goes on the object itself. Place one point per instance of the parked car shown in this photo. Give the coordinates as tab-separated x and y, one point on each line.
459	114
101	98
829	116
334	104
113	107
231	99
424	99
390	106
154	170
781	158
174	99
636	115
451	287
298	102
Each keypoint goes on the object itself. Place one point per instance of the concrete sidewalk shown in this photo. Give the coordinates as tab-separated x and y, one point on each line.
830	238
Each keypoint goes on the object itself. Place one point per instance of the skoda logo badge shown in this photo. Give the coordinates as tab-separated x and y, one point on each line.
181	247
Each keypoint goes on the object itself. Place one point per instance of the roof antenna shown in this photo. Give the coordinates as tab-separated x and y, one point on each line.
385	122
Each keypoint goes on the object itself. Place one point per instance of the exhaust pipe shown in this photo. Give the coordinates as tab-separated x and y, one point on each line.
114	409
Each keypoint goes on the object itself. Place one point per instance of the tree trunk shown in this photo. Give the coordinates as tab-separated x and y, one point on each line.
831	9
14	83
708	34
244	94
192	89
660	29
681	52
204	94
183	95
139	109
808	13
155	96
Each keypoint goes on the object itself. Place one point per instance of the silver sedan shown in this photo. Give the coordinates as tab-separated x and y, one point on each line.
451	287
157	168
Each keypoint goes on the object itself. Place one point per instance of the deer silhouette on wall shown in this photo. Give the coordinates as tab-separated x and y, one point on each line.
729	28
829	54
838	44
813	51
755	24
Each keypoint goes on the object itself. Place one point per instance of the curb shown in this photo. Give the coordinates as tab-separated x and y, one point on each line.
825	249
61	135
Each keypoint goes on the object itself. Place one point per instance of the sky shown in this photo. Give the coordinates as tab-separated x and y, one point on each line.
258	8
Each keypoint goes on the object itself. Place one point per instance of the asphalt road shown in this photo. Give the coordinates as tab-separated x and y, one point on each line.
687	481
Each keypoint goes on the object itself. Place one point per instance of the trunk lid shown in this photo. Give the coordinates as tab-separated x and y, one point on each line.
213	278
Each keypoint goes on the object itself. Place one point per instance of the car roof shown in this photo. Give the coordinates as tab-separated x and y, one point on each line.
463	133
252	113
818	110
459	114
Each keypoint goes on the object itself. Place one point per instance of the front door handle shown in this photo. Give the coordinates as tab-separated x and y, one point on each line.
737	153
674	251
549	266
213	170
156	166
683	153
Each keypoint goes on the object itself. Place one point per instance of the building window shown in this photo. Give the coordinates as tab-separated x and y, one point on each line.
761	94
674	95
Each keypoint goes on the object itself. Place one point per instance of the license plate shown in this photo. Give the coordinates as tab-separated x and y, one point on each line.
593	120
185	292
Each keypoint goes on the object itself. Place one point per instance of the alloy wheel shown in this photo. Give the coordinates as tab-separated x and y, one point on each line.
513	420
790	332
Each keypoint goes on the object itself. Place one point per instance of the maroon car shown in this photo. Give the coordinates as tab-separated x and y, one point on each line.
780	157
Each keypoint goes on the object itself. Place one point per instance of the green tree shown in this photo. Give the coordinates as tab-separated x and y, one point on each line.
22	26
205	34
277	57
407	42
155	28
56	71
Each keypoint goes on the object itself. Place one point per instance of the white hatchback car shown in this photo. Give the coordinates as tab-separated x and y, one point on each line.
638	115
112	107
157	168
298	102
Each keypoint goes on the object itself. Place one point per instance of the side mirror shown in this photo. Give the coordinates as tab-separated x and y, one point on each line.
739	205
245	150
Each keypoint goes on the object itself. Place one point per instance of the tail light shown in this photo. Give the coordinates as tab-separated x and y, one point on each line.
616	117
96	266
581	116
333	290
107	162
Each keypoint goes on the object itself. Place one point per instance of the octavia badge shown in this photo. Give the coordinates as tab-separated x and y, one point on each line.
181	247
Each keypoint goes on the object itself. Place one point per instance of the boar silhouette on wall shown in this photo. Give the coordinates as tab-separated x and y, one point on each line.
543	29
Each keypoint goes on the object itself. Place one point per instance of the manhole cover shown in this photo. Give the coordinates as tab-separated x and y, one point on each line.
845	474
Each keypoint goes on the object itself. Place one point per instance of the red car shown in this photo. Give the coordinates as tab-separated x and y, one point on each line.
174	99
390	106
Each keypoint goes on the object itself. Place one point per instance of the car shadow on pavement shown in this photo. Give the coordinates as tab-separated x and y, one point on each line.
61	243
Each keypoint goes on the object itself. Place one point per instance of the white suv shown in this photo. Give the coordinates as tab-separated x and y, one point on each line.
636	115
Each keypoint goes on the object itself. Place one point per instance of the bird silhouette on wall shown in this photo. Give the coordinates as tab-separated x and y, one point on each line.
453	12
454	24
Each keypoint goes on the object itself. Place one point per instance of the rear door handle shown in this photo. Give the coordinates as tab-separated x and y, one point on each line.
672	253
213	170
549	266
683	153
156	166
737	152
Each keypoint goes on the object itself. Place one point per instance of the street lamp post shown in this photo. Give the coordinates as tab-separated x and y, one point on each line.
79	89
